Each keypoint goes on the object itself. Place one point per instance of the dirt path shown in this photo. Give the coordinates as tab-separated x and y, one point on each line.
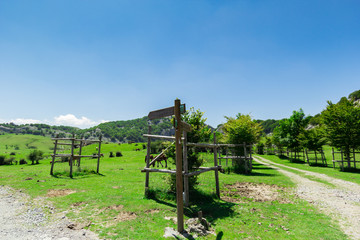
23	219
342	202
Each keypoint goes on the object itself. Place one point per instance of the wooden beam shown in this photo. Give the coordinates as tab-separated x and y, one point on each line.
158	170
203	170
162	153
185	126
165	112
159	136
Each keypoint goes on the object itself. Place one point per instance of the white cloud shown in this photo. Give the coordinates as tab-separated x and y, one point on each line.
20	121
72	120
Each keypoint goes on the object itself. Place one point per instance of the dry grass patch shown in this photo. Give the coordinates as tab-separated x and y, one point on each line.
152	211
256	192
59	192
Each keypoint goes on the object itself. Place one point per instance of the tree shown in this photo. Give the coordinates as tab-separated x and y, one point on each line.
239	130
313	139
35	155
289	130
342	125
242	129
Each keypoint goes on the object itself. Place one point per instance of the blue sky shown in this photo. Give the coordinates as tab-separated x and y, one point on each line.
80	63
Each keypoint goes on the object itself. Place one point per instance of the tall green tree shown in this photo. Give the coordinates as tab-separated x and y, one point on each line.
242	129
342	125
289	130
239	130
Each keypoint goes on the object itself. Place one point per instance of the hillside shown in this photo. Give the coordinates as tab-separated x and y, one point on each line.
116	131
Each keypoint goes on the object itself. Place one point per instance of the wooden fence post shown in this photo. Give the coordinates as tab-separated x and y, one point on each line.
186	170
72	155
179	178
216	170
54	156
147	163
98	162
80	151
333	155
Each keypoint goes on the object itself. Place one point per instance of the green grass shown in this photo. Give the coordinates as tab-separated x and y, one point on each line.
118	192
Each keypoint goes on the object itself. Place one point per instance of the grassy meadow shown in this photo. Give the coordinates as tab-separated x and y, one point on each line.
113	205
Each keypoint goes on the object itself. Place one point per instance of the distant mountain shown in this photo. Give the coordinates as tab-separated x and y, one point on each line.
116	131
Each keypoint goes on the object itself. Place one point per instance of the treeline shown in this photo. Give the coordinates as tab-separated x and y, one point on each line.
129	131
338	125
116	131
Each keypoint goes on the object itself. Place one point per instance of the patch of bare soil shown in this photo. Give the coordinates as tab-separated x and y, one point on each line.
125	216
59	192
256	192
152	211
78	204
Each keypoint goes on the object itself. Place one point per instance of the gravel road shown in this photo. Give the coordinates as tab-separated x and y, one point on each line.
341	202
22	219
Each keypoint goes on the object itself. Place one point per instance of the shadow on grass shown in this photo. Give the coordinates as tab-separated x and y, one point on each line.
78	174
211	207
312	164
351	170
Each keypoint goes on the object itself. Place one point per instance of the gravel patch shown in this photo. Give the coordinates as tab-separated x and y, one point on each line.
340	202
23	219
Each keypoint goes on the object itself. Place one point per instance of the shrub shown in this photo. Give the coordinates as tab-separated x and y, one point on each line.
2	160
260	148
22	161
111	154
35	156
9	161
119	154
12	153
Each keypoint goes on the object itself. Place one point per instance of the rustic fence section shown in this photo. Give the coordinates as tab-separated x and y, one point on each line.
315	155
74	144
339	157
182	170
246	156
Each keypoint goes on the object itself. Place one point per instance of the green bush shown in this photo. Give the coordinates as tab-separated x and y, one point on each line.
2	160
22	161
35	156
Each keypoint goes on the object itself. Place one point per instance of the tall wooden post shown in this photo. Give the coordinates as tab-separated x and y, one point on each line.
99	152
72	155
246	160
179	178
54	156
80	151
186	170
147	163
216	170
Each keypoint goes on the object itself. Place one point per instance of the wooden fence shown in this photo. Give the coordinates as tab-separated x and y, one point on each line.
74	143
338	157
